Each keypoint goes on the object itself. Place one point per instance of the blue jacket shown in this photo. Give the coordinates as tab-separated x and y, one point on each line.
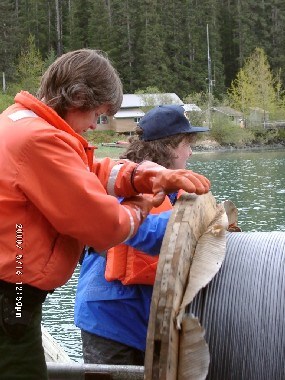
110	309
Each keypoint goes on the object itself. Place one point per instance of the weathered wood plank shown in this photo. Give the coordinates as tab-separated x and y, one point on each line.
191	217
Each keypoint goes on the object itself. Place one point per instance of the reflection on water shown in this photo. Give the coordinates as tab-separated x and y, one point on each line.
254	181
58	318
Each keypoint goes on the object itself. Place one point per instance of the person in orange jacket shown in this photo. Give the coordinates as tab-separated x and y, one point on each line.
51	191
114	291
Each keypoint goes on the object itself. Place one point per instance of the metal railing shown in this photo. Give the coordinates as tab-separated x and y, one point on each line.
78	371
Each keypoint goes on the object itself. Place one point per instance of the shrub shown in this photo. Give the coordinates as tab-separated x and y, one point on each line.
97	137
281	135
226	132
263	136
5	101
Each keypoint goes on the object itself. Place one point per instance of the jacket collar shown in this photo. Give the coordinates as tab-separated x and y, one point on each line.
46	113
49	115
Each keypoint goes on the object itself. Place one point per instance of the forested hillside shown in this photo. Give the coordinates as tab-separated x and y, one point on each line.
160	43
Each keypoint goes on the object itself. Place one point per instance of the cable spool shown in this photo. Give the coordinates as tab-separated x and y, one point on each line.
243	309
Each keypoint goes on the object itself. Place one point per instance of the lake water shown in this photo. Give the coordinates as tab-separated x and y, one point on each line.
253	180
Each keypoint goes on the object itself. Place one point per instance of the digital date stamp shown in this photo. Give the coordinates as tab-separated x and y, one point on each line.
19	258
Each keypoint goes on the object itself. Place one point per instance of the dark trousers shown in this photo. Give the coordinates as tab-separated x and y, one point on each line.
99	350
21	351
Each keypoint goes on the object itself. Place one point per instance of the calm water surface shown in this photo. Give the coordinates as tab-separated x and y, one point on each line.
254	181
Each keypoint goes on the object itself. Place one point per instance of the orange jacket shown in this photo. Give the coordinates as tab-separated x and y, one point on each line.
53	198
132	266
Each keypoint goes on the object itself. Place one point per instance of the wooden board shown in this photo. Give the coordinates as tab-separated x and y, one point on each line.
53	350
191	218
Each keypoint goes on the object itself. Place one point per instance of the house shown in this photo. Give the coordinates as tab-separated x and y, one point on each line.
126	120
257	117
229	113
133	108
191	107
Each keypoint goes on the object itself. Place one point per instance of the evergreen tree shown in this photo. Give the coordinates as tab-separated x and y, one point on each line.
152	62
159	43
276	22
37	17
99	27
227	22
30	68
51	57
78	19
246	24
122	38
254	86
172	21
198	16
8	38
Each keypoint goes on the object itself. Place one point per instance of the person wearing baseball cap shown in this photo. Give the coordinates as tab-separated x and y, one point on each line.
164	135
114	291
166	120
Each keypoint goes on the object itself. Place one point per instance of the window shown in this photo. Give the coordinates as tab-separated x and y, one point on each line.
137	119
102	119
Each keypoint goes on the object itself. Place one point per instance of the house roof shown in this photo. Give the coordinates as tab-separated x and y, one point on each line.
191	107
142	100
258	109
227	111
132	103
128	114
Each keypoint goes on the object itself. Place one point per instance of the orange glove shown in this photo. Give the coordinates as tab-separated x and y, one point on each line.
139	207
149	177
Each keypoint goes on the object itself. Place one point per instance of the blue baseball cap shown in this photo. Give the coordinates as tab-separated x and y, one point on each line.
164	121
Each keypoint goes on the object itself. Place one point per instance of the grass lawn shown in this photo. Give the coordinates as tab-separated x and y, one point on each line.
106	151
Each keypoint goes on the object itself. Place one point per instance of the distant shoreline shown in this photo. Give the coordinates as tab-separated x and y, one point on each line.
209	147
212	146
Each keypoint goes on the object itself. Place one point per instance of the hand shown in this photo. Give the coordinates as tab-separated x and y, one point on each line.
152	178
139	206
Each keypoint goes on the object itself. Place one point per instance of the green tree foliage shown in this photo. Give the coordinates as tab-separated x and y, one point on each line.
247	24
51	57
5	101
254	85
152	96
202	100
149	90
78	19
123	17
276	24
226	132
160	43
37	17
198	16
153	62
30	68
229	42
8	38
100	27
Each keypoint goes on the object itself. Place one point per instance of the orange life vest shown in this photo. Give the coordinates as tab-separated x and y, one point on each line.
130	265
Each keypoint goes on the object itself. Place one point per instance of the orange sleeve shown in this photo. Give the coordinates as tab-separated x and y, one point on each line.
116	176
74	201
